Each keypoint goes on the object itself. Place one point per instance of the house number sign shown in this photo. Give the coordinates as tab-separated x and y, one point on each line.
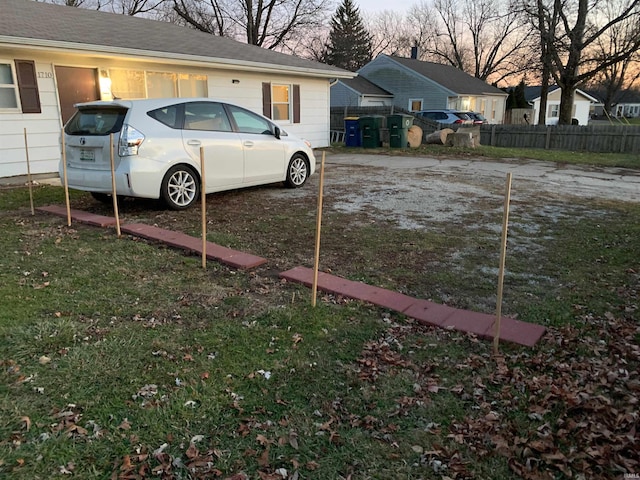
45	74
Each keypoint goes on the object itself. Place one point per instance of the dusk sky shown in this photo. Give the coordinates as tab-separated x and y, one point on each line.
373	6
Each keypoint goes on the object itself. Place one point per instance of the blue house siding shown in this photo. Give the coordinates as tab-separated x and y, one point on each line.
341	96
405	84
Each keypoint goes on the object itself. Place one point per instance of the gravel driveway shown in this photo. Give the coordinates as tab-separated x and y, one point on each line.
416	191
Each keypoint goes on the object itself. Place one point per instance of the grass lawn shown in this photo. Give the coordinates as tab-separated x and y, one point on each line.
123	359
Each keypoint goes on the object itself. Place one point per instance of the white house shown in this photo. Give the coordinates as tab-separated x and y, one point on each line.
581	105
53	56
628	105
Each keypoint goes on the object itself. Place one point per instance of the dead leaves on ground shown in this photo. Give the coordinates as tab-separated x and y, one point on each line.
567	408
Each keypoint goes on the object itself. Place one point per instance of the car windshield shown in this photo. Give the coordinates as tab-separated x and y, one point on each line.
96	121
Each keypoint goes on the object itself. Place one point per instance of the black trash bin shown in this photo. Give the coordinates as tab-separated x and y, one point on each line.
352	137
398	126
370	129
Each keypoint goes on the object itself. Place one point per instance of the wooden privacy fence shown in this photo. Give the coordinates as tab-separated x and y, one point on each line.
590	138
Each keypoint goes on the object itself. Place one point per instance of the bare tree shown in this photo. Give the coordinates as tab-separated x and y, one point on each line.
390	33
267	23
569	31
486	38
205	15
611	81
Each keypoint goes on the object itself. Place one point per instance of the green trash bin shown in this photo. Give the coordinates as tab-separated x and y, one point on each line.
370	130
398	126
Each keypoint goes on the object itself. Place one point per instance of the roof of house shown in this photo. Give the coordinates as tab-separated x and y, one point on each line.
629	96
44	25
365	87
451	77
533	93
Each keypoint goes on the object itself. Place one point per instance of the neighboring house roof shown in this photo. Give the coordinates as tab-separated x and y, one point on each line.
629	96
49	26
531	94
363	86
450	77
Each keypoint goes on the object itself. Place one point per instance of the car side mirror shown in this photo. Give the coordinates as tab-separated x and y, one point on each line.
276	132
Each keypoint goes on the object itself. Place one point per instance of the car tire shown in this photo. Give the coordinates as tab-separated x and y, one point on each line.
180	187
297	171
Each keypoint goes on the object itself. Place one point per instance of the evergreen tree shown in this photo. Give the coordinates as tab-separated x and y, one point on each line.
349	42
519	94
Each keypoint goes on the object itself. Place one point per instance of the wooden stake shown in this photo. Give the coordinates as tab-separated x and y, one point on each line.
203	202
64	179
26	148
113	187
316	264
503	254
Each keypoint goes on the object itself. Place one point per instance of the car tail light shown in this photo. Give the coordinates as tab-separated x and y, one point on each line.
130	140
459	121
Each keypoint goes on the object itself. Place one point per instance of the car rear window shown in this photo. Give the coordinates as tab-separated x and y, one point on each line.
96	121
168	116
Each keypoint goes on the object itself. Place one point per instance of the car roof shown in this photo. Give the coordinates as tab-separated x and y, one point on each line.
444	110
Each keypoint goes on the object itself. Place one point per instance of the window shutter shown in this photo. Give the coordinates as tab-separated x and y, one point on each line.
266	99
296	104
28	86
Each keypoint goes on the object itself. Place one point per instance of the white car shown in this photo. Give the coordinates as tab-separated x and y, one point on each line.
157	149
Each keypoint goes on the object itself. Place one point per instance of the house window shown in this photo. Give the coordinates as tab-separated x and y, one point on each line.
415	104
554	111
8	87
280	102
127	83
140	84
162	85
192	85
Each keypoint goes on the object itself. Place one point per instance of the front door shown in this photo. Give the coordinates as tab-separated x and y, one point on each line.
76	85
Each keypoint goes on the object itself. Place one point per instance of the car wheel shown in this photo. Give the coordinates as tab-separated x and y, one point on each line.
180	187
297	171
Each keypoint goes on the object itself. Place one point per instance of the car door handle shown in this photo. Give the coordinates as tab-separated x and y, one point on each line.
248	143
195	143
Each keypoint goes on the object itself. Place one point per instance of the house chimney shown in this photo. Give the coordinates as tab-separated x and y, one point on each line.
414	50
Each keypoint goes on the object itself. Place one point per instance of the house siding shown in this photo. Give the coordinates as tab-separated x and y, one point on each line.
44	129
343	96
405	84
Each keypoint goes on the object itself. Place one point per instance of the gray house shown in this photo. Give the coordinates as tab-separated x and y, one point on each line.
358	92
418	85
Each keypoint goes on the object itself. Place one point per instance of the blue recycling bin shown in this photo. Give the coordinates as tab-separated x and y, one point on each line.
352	137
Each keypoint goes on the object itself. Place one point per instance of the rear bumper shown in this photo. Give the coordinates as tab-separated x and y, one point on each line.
134	177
